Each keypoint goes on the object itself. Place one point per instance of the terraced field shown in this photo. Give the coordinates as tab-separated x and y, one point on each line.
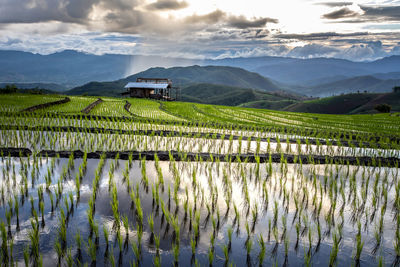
173	183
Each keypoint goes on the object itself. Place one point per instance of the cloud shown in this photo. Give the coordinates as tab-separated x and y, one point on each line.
270	50
363	51
391	13
335	4
238	22
167	5
367	13
341	13
22	11
241	22
212	17
312	50
318	36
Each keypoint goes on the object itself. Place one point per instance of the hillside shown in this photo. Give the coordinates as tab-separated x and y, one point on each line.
367	83
233	96
347	104
182	77
222	75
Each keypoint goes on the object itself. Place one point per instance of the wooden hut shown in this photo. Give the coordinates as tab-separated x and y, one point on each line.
157	88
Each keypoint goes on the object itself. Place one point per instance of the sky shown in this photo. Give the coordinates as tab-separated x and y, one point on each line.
355	30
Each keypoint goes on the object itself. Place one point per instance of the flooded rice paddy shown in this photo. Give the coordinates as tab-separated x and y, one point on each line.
185	213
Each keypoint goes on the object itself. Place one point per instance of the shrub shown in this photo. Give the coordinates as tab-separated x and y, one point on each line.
396	89
384	108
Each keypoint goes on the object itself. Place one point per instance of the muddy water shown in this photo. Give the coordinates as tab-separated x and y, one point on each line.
293	180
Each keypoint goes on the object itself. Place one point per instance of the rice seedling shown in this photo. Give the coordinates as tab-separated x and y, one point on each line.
359	244
106	235
91	250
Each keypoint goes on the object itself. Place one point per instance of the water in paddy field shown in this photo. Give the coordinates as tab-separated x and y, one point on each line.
297	210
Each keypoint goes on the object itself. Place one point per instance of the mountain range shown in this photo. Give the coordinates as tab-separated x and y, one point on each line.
312	77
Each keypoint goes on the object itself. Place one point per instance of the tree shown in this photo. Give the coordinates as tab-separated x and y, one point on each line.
9	89
396	89
384	108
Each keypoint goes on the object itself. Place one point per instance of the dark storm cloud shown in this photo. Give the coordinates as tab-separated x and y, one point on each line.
167	5
319	36
341	13
335	4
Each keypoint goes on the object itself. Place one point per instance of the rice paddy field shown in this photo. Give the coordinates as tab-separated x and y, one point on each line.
136	182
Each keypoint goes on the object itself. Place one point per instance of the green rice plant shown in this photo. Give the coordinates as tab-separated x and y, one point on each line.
78	240
145	179
157	261
210	256
230	231
286	242
41	208
119	239
136	251
26	256
91	250
193	245
125	222
249	246
62	231
359	243
307	258
4	246
150	221
157	243
114	206
34	238
69	259
261	255
380	261
334	250
226	253
175	250
96	232
58	249
275	220
106	235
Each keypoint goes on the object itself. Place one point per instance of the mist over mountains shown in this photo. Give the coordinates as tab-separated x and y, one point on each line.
315	76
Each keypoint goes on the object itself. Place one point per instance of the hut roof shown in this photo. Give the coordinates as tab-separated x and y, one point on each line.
147	85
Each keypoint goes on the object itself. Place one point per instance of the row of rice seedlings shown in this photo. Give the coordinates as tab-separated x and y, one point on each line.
85	141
